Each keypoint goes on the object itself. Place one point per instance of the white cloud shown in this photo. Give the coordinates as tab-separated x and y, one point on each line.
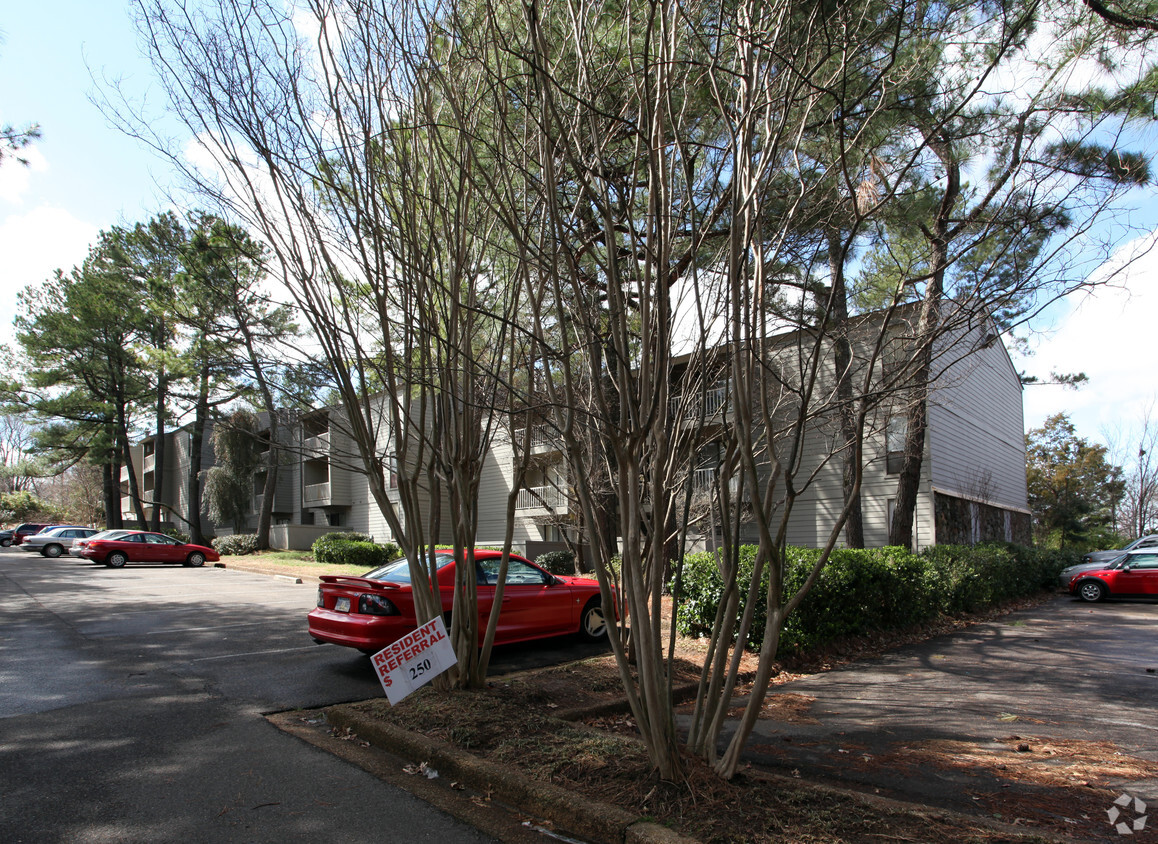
16	178
1110	335
34	245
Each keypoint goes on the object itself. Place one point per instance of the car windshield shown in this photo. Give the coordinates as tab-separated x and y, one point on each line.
399	570
109	534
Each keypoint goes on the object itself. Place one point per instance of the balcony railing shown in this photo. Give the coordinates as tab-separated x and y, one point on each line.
711	402
540	497
541	435
703	480
317	493
318	444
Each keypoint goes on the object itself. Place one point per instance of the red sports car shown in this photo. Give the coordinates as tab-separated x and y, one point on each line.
1133	575
139	546
371	611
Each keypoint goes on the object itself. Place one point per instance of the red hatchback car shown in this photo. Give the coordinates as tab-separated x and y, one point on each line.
139	546
371	611
1133	575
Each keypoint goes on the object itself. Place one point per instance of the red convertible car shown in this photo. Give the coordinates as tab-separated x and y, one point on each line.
376	609
139	546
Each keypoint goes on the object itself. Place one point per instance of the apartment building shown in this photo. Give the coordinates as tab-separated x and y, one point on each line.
972	486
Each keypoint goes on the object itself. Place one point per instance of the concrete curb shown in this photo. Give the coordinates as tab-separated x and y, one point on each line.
257	569
597	822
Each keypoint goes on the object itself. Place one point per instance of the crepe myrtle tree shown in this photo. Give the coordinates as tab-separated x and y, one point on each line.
682	224
331	148
629	206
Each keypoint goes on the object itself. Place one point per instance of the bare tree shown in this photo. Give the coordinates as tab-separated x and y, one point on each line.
611	215
1137	454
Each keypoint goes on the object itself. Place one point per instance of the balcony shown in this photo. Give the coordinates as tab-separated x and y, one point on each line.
541	498
317	445
149	463
543	438
316	495
704	482
710	403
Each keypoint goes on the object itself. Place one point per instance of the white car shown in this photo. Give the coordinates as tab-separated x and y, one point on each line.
54	541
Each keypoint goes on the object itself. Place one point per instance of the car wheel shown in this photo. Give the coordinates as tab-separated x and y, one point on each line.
1093	590
593	624
5	543
196	559
53	550
116	560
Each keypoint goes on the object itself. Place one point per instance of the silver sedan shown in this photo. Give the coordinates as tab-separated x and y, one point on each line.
54	541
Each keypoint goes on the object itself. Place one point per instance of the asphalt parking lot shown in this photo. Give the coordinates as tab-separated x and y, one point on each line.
1036	714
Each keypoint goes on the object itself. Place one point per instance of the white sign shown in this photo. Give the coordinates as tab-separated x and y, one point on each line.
414	660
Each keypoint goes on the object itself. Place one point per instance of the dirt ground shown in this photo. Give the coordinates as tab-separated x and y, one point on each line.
568	725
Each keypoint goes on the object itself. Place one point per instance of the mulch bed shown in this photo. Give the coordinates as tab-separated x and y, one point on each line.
514	722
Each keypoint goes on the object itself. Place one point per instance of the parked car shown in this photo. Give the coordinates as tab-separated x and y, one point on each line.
140	546
376	609
20	532
1134	575
54	541
1150	541
1067	574
77	549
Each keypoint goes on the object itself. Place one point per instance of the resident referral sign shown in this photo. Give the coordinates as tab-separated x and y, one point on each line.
414	660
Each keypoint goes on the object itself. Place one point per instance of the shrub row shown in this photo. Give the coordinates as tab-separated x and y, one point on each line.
235	545
860	591
353	549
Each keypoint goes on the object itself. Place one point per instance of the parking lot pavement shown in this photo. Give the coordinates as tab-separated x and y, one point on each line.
1048	711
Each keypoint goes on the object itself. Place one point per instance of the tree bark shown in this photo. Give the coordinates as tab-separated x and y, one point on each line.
159	453
849	430
196	440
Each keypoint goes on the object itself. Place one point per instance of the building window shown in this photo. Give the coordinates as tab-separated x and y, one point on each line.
895	436
335	519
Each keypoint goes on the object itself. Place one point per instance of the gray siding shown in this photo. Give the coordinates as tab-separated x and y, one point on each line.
977	427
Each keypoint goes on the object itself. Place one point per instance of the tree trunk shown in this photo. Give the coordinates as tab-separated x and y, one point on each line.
854	527
901	530
110	482
159	452
125	449
196	439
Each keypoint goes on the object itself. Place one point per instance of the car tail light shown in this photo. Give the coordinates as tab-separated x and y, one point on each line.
321	600
376	605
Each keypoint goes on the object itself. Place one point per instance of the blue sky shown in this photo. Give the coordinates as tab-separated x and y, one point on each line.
86	176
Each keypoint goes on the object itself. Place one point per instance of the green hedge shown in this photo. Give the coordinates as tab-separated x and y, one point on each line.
353	549
860	591
557	562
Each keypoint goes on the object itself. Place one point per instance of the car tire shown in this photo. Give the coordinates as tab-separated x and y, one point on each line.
52	550
196	559
593	623
116	560
1093	591
5	543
